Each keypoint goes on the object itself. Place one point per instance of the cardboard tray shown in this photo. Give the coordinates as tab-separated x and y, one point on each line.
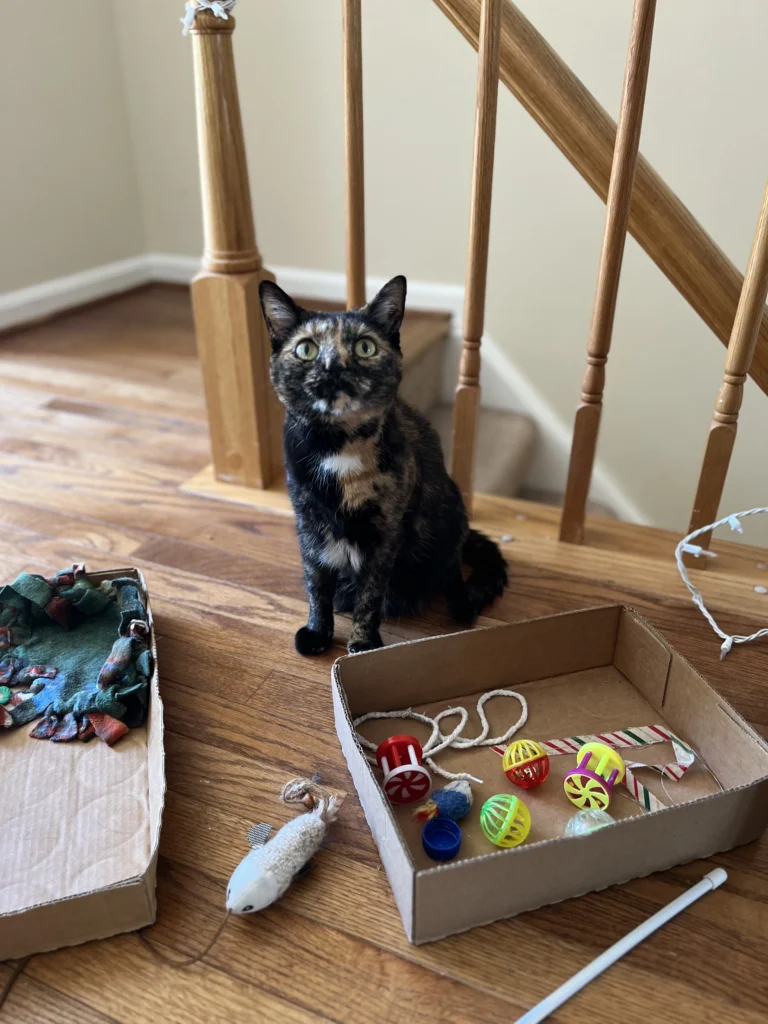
581	673
80	829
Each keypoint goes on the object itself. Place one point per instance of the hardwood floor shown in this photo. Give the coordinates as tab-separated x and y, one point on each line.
101	419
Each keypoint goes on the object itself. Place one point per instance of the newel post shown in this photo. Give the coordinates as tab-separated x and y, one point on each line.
243	414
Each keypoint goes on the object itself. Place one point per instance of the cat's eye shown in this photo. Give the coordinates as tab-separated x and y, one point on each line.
306	350
365	348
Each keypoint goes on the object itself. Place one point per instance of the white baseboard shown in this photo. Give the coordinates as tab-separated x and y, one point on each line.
504	386
62	293
171	268
39	300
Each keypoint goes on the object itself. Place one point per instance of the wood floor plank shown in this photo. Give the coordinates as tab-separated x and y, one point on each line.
69	440
346	979
561	939
32	1002
133	394
121	978
139	502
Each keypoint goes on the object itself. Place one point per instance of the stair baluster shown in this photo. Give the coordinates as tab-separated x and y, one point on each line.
587	423
468	390
353	142
741	348
569	114
243	414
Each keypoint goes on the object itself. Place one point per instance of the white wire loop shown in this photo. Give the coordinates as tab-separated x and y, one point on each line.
220	8
686	547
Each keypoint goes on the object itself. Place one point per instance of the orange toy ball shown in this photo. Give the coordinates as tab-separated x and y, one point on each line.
525	763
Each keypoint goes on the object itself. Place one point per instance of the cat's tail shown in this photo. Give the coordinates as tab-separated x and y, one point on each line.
486	581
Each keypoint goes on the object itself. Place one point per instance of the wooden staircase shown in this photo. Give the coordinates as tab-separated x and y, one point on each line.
234	350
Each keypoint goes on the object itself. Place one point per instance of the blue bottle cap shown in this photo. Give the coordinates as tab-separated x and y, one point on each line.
441	838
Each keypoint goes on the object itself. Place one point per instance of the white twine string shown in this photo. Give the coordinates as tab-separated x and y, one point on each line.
438	741
220	8
686	547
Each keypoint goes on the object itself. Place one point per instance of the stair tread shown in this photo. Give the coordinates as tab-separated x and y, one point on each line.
505	441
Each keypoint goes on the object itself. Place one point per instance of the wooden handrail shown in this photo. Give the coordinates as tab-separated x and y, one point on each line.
571	116
243	415
722	431
353	141
468	390
587	424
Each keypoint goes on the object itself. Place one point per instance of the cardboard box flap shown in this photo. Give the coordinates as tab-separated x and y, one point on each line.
394	856
643	657
499	656
719	735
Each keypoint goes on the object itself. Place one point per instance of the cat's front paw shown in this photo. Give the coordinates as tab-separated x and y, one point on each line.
369	643
309	641
461	608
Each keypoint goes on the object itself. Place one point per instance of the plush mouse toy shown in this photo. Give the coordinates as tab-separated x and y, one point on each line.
265	873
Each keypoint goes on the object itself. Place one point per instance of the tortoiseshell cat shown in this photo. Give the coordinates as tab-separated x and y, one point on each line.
382	527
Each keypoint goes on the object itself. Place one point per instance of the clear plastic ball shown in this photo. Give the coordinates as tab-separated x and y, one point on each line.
586	821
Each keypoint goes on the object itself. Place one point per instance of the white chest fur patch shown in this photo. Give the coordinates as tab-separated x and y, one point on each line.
340	554
342	465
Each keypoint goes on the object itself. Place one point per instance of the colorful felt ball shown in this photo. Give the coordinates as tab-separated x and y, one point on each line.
5	694
505	820
452	801
526	763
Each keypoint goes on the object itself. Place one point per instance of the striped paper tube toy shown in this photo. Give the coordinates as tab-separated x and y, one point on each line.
638	736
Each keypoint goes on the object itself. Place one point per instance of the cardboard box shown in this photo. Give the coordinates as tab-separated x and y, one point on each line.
80	828
581	672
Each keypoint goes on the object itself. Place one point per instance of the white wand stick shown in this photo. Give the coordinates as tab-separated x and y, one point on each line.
610	956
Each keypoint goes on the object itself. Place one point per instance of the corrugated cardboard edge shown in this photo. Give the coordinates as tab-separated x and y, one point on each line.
393	852
129	904
620	855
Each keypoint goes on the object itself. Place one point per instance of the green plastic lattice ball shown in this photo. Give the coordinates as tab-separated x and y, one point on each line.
505	820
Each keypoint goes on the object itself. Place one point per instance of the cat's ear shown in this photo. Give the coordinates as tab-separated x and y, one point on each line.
281	314
387	309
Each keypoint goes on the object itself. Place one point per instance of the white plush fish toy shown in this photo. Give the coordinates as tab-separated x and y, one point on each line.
265	873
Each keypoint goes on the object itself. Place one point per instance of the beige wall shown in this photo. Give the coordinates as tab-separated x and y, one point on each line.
704	132
68	189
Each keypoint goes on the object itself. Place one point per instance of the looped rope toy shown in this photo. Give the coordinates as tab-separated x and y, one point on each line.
438	742
220	8
686	547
